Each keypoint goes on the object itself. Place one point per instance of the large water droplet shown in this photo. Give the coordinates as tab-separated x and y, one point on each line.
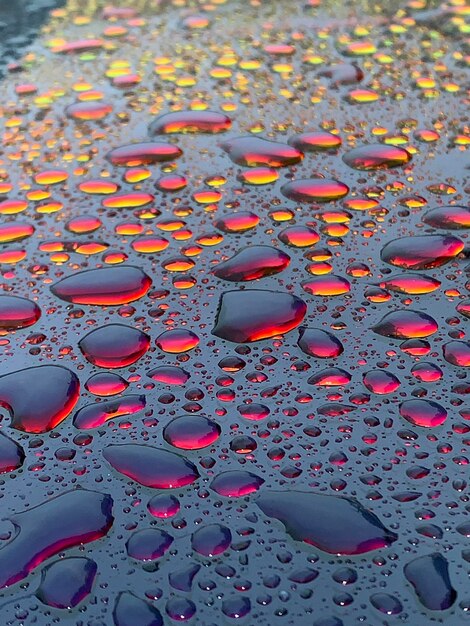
376	156
406	324
65	583
53	391
190	122
315	190
104	286
255	314
252	263
211	540
337	525
73	518
319	343
97	414
129	610
452	217
425	413
191	432
114	345
422	252
144	154
148	544
254	151
17	312
429	576
151	467
236	483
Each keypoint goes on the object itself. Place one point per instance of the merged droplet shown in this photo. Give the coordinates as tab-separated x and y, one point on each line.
236	483
406	324
151	467
425	413
255	314
429	576
315	190
104	286
252	263
319	343
16	312
52	392
98	413
255	151
191	432
65	583
334	524
190	122
73	518
211	539
376	156
144	153
114	345
421	252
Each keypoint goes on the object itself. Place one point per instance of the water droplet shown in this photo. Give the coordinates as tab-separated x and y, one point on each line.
191	432
429	576
65	583
151	467
256	151
56	386
136	154
190	122
236	483
114	345
104	286
425	413
71	519
97	414
129	610
320	521
255	314
421	252
406	324
315	190
17	312
319	343
148	544
376	156
211	540
252	263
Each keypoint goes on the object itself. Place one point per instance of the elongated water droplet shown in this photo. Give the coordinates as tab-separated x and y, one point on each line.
320	521
151	467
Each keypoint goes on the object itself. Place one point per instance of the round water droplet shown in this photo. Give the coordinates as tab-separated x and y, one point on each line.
191	432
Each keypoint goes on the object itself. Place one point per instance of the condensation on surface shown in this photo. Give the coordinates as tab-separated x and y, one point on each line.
233	316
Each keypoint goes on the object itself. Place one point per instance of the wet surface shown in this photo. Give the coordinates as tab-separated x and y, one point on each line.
233	322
